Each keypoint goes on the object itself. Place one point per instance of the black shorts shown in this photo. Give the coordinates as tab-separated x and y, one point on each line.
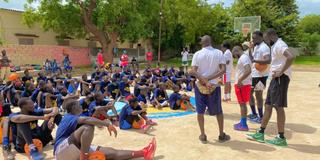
255	81
277	95
44	135
175	106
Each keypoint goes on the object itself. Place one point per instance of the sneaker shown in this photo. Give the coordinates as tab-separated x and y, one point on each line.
252	116
203	139
224	138
256	120
35	155
240	127
149	151
259	137
277	141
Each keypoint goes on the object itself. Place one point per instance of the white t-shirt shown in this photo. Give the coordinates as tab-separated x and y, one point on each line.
184	55
208	60
259	52
242	62
228	57
277	57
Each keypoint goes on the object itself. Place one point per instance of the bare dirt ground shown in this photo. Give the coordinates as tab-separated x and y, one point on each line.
177	138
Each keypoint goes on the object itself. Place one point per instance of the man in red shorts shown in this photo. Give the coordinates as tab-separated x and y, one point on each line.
242	85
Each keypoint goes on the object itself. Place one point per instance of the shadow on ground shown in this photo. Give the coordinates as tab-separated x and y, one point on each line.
243	146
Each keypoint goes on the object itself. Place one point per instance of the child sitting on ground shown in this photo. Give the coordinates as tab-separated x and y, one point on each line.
178	101
160	96
25	127
28	89
113	89
133	116
100	106
76	133
124	87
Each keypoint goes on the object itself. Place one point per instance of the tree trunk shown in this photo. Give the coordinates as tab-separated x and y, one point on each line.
108	53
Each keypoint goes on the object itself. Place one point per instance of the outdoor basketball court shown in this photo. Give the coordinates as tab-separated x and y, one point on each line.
177	137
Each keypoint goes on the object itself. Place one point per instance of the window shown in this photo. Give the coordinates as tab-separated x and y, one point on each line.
26	41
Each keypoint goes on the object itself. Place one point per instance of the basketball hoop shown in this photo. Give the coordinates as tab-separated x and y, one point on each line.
247	25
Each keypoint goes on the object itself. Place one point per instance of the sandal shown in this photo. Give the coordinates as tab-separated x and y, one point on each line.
224	138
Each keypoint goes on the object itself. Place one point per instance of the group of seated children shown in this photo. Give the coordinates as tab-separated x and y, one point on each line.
56	101
52	66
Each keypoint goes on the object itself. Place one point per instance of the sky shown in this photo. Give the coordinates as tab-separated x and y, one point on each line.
305	6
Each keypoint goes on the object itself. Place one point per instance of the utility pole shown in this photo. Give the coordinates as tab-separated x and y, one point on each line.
160	25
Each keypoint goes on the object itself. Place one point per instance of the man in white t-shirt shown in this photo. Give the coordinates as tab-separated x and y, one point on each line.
208	65
282	59
229	65
184	55
261	57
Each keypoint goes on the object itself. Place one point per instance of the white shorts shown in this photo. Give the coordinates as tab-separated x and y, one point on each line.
227	77
65	144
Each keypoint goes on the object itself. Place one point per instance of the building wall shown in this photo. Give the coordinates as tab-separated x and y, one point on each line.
11	22
37	54
45	45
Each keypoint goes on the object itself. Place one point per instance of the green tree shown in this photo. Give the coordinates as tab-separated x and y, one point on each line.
104	21
310	43
186	20
282	15
310	24
287	18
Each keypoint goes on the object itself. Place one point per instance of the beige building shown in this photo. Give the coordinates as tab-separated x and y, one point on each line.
14	31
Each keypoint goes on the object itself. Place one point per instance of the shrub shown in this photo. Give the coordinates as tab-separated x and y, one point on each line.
310	43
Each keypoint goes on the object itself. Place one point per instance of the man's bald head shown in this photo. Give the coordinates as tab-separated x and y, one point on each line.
237	51
271	32
206	41
270	36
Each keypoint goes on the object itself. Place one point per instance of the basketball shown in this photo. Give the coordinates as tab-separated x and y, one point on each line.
97	155
13	77
261	67
37	143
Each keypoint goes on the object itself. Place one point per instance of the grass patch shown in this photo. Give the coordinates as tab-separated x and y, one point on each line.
307	60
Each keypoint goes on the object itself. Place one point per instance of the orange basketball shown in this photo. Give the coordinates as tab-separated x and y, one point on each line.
37	143
138	125
97	155
261	67
13	76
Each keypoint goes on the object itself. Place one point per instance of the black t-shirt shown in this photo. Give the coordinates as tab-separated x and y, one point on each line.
113	88
180	74
26	78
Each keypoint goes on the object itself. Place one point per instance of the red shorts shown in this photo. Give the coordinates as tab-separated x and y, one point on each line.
129	97
243	93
